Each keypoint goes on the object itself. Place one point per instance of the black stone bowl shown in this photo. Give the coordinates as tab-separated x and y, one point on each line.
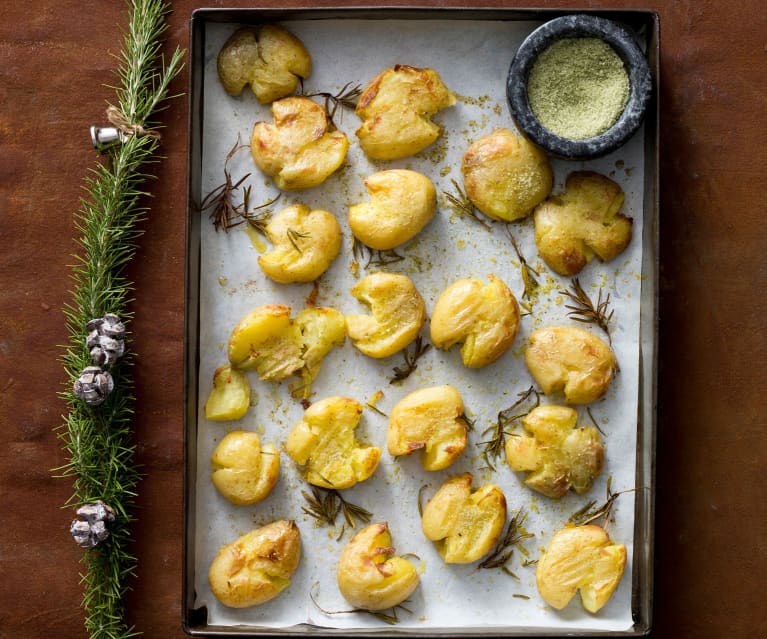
580	26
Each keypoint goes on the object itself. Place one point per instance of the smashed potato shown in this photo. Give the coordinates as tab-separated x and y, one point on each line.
269	58
570	359
402	202
256	567
582	222
429	419
267	341
305	243
465	525
323	444
580	558
369	576
557	455
300	150
506	176
398	312
230	396
485	317
396	110
243	471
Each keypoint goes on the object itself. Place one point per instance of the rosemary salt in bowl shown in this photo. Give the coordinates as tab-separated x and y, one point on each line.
579	86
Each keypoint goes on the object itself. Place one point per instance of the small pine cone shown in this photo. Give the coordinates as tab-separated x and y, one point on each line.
105	351
93	386
109	325
92	524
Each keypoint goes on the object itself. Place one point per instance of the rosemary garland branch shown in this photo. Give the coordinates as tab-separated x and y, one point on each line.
98	440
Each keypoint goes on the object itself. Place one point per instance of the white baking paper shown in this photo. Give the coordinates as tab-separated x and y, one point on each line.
472	57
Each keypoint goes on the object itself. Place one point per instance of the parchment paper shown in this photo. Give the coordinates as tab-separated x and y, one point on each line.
472	58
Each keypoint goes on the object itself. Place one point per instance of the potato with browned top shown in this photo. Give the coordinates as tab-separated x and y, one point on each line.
402	202
556	455
581	223
580	558
300	149
306	241
572	360
432	420
506	176
256	567
369	576
324	445
483	317
396	110
397	314
465	525
269	58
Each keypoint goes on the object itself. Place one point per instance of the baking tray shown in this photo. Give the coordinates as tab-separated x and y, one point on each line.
207	27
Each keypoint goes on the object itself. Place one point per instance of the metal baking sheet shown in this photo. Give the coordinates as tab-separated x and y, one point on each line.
471	49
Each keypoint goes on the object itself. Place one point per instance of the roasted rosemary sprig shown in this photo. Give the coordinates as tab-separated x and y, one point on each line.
375	257
584	310
346	97
591	511
463	206
411	361
326	503
529	274
294	236
493	447
225	214
98	442
504	550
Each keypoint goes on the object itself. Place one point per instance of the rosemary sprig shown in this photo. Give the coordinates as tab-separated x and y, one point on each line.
584	310
529	274
591	511
504	550
325	504
294	236
375	257
401	373
346	97
493	447
98	442
258	217
463	206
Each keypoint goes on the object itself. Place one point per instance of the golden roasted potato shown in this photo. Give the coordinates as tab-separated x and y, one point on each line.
505	176
398	312
230	396
429	419
323	444
557	455
570	359
369	576
269	58
256	567
485	317
243	471
396	110
305	243
402	202
299	150
268	341
582	222
465	525
580	558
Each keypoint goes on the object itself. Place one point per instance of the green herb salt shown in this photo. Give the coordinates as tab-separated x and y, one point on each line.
578	87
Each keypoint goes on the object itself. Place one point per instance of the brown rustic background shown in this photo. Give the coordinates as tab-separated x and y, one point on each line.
711	549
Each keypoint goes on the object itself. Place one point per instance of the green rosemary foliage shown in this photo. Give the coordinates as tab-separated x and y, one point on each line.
98	441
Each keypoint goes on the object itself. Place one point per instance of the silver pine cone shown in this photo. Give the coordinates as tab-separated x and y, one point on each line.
92	524
93	386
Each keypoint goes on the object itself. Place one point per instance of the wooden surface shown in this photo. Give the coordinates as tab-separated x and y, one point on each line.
711	548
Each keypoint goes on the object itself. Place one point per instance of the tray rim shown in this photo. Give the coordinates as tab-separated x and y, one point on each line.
194	621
